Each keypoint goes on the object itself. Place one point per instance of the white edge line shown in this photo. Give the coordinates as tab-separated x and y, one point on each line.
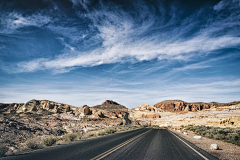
190	147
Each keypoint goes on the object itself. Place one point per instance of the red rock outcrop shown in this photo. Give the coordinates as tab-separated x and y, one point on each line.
181	106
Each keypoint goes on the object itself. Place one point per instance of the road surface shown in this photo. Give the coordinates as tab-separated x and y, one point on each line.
148	144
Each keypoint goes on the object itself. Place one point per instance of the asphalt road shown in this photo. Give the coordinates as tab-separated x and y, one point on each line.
149	144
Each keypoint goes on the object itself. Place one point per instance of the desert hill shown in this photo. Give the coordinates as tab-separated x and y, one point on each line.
111	106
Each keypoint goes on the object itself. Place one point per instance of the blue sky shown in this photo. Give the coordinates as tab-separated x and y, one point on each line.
133	52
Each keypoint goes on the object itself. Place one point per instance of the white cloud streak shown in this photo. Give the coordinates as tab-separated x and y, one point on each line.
124	38
14	21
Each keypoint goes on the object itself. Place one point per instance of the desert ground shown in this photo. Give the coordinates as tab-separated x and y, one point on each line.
42	123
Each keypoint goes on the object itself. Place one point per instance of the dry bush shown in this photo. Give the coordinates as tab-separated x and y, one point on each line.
3	149
100	133
86	136
33	145
70	137
110	130
49	141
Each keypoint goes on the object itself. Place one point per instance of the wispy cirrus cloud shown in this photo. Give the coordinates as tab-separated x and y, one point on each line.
108	34
118	36
13	21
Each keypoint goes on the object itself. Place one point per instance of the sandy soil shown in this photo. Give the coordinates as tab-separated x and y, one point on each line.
227	151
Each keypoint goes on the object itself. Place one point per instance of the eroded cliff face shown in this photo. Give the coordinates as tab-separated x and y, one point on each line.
181	106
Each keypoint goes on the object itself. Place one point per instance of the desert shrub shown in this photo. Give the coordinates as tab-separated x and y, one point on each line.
33	145
86	136
100	133
198	130
70	137
204	133
49	141
221	131
110	130
233	137
218	136
3	149
123	129
207	134
212	130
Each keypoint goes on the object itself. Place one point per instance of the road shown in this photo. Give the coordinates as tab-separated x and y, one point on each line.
149	144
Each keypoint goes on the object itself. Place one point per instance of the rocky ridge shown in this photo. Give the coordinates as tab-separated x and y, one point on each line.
181	106
109	109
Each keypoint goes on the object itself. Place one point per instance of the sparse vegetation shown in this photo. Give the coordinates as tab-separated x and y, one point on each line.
33	145
110	130
49	141
231	135
100	133
3	149
70	137
86	136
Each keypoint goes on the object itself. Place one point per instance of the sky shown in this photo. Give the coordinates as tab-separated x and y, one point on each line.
133	51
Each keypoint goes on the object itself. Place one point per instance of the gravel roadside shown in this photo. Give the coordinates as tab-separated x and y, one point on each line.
226	151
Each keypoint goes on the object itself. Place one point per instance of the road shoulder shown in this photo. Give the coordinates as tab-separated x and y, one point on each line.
226	150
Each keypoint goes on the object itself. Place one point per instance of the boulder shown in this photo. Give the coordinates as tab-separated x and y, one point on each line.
197	137
67	108
86	110
214	147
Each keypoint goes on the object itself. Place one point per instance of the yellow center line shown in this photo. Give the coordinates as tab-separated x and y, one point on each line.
117	147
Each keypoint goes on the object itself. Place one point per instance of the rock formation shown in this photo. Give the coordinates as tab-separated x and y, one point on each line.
41	105
145	107
181	106
4	107
111	106
86	110
108	109
110	102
